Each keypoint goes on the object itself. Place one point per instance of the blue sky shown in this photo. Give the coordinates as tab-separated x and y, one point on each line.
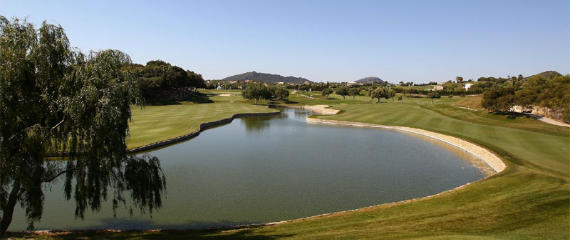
418	41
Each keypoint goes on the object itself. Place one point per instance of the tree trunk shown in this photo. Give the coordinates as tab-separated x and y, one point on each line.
8	211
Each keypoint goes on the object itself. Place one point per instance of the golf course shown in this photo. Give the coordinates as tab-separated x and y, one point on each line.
528	200
270	120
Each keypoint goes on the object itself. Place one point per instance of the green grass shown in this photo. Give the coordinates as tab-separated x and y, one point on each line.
473	102
529	200
155	123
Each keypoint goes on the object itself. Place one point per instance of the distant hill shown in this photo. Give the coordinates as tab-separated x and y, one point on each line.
548	74
265	77
370	80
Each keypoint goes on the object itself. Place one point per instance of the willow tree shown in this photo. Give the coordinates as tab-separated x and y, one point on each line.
54	99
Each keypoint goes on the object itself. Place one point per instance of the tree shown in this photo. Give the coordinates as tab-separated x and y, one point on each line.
161	82
281	93
556	97
353	92
499	99
400	99
459	79
256	91
53	99
343	91
378	93
327	91
390	93
433	95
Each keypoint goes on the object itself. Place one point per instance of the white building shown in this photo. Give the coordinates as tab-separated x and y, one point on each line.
467	86
437	88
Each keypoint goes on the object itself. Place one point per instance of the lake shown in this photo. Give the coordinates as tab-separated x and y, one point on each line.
265	169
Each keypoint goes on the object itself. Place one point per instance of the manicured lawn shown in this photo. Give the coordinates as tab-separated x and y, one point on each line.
529	200
155	123
472	102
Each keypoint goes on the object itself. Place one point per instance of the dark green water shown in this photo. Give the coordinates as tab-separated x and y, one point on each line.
264	169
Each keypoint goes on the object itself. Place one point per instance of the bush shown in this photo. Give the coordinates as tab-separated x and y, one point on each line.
499	99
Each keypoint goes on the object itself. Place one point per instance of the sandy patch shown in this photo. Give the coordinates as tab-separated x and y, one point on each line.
468	108
321	109
552	121
225	95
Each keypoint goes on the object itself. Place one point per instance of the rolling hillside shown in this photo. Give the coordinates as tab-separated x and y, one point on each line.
370	80
265	77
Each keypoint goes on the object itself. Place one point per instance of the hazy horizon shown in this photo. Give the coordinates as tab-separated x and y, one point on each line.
335	41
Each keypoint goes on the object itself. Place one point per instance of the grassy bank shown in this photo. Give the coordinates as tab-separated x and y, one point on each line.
156	123
529	200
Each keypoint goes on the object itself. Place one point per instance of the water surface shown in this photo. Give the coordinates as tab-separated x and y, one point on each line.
264	169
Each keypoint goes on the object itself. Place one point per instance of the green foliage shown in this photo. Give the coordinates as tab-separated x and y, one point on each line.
54	99
342	91
257	91
304	87
377	93
382	92
161	82
499	99
280	93
433	95
327	91
390	93
543	90
353	92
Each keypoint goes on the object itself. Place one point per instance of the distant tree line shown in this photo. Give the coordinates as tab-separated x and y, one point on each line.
260	91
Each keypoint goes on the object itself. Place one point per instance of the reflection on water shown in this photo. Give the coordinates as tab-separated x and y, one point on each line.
88	182
287	169
301	114
257	123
